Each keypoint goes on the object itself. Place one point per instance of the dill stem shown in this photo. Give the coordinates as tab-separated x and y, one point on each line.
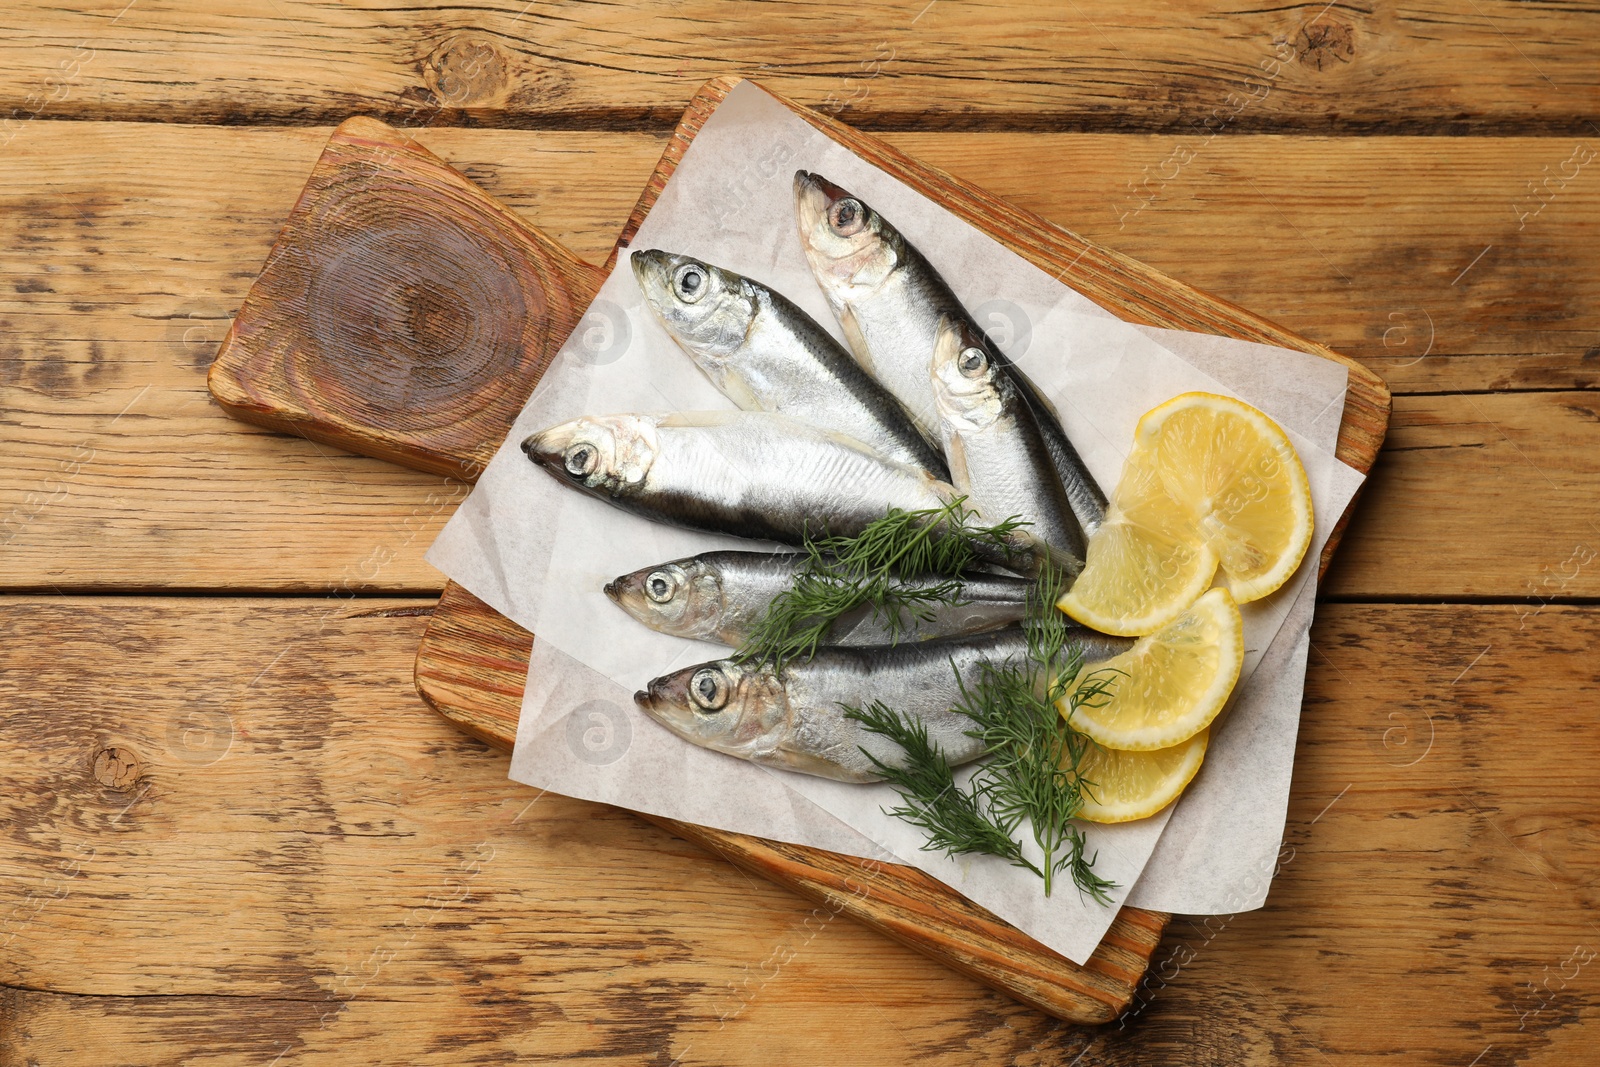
924	532
905	550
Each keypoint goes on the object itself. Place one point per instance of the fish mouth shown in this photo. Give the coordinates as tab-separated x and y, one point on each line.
627	592
813	196
544	449
816	188
650	266
660	699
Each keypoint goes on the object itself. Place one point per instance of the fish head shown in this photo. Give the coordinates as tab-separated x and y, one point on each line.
850	246
969	385
682	598
607	454
708	310
722	705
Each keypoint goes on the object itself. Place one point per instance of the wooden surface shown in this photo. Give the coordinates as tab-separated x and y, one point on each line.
354	895
242	901
471	657
400	311
1433	67
403	247
387	249
146	264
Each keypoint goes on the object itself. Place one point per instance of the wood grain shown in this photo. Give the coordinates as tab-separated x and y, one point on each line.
898	901
1475	496
911	907
1354	242
1448	893
1331	236
471	667
1092	65
399	297
116	287
1440	859
1469	484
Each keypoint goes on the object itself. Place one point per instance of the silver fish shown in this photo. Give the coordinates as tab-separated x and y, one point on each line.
889	300
765	354
997	452
793	719
750	474
720	596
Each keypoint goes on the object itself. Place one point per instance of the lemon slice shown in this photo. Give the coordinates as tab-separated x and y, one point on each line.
1210	483
1144	564
1123	786
1237	473
1172	683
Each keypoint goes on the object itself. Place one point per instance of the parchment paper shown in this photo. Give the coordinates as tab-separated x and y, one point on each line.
539	552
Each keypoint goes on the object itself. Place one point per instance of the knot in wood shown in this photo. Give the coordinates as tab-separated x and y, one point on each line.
117	768
468	69
1323	44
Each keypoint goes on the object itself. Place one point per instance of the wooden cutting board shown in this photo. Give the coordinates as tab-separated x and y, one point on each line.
405	314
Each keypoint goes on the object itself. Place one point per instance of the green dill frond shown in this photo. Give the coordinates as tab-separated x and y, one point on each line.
955	820
1033	772
844	574
1032	753
1090	884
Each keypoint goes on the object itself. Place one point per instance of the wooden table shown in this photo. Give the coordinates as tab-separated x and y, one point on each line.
233	834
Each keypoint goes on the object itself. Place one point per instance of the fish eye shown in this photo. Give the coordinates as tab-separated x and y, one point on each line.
709	689
661	586
690	282
972	362
847	217
580	459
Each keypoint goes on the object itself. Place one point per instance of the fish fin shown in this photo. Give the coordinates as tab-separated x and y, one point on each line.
856	339
955	454
790	757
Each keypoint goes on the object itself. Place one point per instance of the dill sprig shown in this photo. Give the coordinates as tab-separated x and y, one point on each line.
841	574
957	821
1034	757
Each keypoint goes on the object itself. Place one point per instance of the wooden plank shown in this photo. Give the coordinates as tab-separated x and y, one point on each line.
1091	65
1467	825
1440	858
1530	371
1402	252
1459	505
178	496
1354	242
1481	496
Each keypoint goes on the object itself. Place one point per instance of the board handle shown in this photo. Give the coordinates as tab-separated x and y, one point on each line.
405	314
